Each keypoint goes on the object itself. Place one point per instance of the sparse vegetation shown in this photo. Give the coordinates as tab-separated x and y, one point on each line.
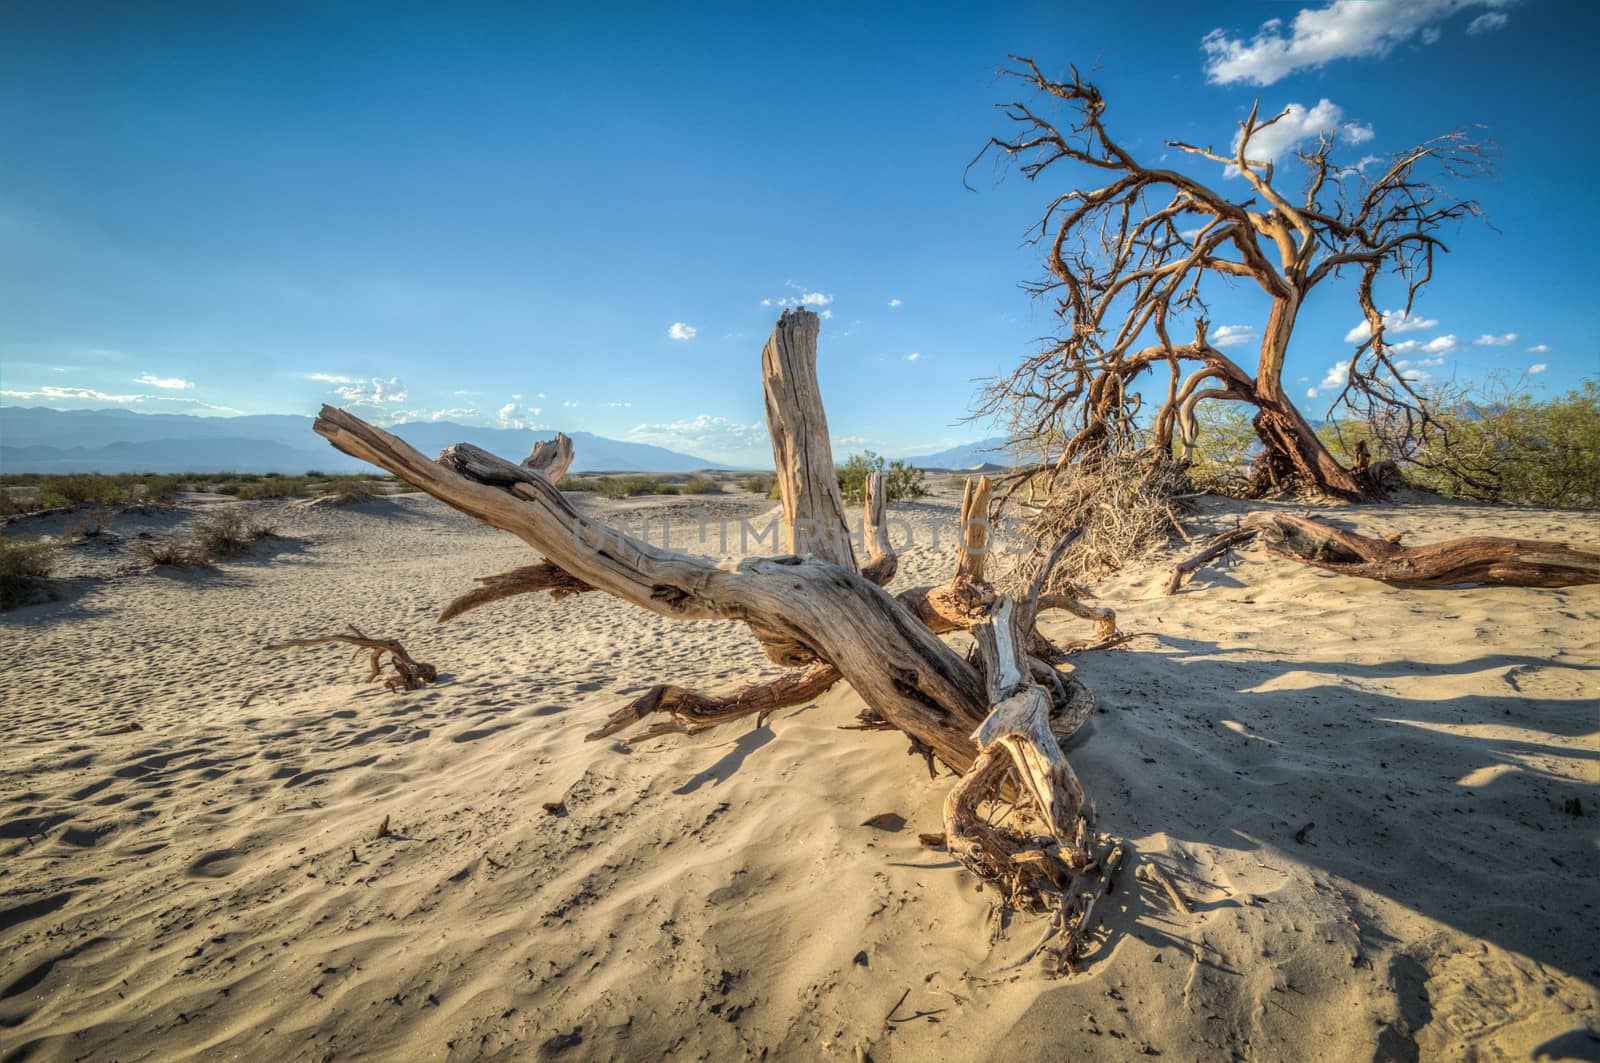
620	486
175	551
25	565
900	480
701	485
227	530
759	483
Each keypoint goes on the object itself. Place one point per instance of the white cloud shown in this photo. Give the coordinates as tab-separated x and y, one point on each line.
805	298
894	302
1487	22
1356	133
1447	344
704	434
680	331
171	382
377	393
826	314
1394	321
571	404
766	302
913	356
1299	123
1232	335
507	416
1488	340
1342	29
1539	348
815	299
330	378
1537	367
1335	377
623	405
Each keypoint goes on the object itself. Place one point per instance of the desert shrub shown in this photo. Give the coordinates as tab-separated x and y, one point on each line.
758	483
174	551
81	487
25	565
227	530
271	485
701	485
899	479
1127	507
344	491
633	486
1497	443
579	483
1225	444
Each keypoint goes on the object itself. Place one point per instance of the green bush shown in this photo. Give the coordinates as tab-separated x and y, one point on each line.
1225	442
701	485
899	479
24	567
759	483
227	530
1496	443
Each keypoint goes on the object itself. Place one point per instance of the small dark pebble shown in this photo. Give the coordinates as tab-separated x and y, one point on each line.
1301	834
861	958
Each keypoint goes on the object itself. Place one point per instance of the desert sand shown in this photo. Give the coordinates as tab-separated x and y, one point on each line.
1363	792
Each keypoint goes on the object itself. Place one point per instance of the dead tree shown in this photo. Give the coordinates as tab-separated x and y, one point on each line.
812	610
1131	255
1480	559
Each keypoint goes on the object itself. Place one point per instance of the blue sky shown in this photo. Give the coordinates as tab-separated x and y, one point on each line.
585	217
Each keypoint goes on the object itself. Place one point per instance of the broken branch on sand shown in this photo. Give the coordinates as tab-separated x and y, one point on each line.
1481	559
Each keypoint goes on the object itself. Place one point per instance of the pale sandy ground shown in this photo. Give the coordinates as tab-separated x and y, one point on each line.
210	887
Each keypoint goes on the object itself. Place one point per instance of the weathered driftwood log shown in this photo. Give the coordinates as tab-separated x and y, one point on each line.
815	612
553	457
1476	559
409	674
691	712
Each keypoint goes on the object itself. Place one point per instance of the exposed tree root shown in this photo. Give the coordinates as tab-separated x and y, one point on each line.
409	674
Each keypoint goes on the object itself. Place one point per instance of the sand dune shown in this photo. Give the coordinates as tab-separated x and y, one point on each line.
1360	789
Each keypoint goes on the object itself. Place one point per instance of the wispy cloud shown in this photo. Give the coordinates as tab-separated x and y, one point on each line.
378	392
171	382
681	331
1487	22
330	378
913	356
1335	377
1537	367
1539	348
1490	340
894	303
704	434
57	393
1394	321
1343	29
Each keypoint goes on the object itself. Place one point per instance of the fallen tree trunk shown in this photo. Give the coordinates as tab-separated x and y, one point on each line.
813	611
1473	560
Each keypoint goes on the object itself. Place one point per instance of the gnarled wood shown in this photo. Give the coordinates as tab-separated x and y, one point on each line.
409	674
795	606
691	711
882	561
1472	560
527	579
812	507
552	457
1477	559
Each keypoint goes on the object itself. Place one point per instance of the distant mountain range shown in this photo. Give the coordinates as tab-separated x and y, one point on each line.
36	439
965	456
42	440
